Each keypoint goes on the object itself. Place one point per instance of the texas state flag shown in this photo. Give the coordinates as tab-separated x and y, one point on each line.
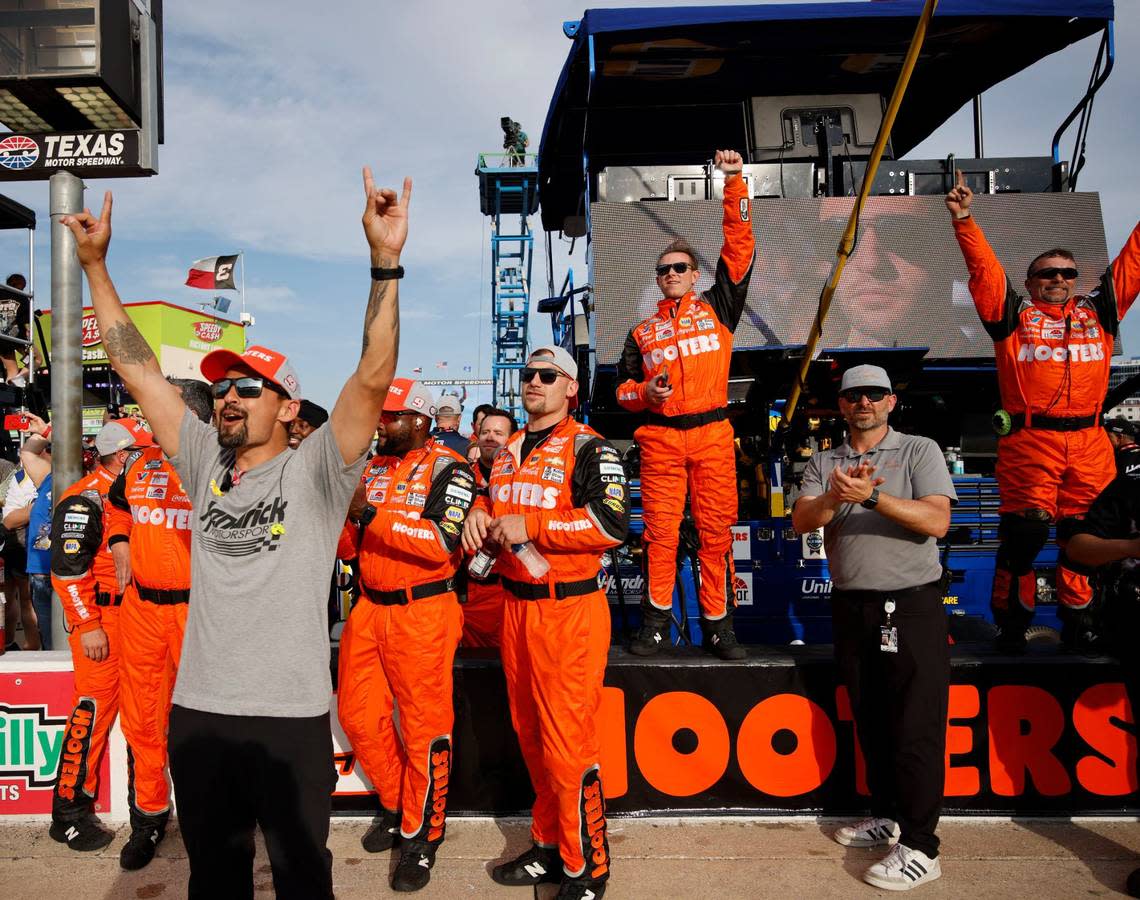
213	273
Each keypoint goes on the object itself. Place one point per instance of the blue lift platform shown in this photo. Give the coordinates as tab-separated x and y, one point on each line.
508	186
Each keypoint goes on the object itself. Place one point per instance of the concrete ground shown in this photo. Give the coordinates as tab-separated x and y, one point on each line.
658	858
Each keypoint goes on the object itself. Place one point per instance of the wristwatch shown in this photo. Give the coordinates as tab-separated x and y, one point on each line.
872	501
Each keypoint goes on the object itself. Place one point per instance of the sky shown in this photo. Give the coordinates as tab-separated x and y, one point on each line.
272	108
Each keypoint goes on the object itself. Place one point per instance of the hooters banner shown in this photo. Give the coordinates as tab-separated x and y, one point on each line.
1036	735
214	273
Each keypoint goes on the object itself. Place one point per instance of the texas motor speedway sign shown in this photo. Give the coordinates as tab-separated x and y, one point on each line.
90	154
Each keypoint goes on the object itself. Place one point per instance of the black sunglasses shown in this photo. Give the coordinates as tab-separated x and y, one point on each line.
679	267
247	387
546	376
853	395
1051	272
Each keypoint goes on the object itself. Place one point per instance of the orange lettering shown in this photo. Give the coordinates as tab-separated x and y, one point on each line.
965	703
1025	723
1093	716
798	771
680	772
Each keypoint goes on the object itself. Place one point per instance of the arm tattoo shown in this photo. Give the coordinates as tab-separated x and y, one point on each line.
376	298
124	344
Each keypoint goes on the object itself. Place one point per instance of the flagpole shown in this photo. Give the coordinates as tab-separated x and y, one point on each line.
244	330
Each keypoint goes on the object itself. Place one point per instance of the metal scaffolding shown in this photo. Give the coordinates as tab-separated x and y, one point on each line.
508	186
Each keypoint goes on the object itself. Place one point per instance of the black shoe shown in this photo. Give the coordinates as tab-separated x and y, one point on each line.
1079	633
1133	884
84	834
538	865
413	871
720	639
383	833
581	889
653	635
139	849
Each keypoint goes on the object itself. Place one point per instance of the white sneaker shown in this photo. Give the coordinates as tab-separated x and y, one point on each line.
903	869
868	833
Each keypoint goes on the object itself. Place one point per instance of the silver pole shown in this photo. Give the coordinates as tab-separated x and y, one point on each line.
65	198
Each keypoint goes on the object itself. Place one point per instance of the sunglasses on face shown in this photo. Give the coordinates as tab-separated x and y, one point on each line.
853	395
246	387
1051	272
679	267
546	376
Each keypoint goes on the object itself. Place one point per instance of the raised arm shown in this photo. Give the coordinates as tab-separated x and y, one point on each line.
994	296
353	419
129	354
734	267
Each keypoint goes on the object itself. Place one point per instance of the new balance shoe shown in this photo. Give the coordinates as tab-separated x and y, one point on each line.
720	639
84	834
581	889
538	865
868	833
903	869
653	635
383	832
413	871
140	847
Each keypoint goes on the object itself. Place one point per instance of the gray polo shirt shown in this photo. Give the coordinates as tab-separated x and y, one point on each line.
866	551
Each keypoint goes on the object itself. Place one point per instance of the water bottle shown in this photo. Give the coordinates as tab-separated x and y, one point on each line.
534	561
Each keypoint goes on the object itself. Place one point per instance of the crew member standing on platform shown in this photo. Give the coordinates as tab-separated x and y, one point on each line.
483	611
883	499
1053	352
83	576
557	490
398	647
150	512
675	367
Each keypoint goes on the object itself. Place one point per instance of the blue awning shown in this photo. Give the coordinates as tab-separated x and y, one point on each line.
671	83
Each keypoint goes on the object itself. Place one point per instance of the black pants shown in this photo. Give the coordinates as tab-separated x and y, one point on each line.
232	773
900	703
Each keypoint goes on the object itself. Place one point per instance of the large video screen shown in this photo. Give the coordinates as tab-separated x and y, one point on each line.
904	286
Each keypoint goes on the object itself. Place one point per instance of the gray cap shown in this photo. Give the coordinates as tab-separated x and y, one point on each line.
558	357
864	377
448	405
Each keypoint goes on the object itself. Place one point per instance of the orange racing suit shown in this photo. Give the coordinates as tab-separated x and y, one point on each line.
1053	367
83	576
483	611
150	509
572	491
687	444
398	646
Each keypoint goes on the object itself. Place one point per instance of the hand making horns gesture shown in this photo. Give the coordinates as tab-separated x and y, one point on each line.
385	219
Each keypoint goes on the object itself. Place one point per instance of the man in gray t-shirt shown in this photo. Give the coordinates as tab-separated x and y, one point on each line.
249	734
883	499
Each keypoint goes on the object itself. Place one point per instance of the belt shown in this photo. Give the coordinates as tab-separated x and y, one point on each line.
401	597
1053	423
104	599
689	420
525	590
493	578
897	592
162	598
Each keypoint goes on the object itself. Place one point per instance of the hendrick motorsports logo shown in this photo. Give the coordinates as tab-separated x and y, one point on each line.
30	743
18	152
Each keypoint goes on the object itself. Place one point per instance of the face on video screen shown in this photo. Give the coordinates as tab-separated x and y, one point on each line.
905	285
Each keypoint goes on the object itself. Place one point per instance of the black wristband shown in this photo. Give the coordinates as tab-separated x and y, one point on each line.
387	274
872	501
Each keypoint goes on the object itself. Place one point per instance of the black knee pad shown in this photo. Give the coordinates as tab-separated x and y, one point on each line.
1022	536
